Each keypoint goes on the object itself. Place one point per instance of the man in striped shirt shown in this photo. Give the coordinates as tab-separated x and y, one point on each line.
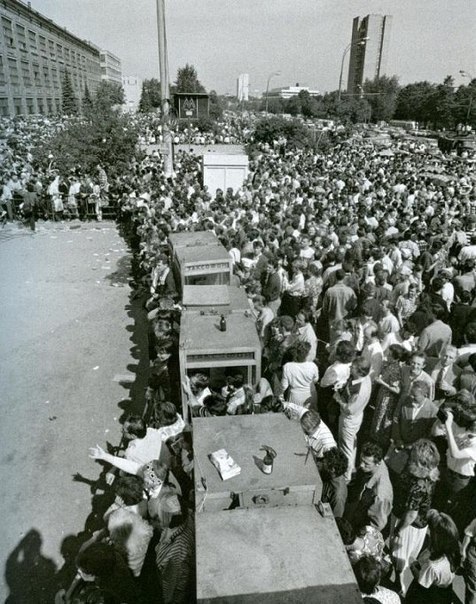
175	557
318	436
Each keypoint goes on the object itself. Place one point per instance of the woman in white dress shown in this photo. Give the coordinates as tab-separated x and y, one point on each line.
299	376
434	571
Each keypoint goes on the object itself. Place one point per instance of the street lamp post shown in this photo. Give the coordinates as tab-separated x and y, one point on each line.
271	75
164	89
361	42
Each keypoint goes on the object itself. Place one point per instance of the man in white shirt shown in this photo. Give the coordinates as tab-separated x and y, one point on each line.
353	399
306	252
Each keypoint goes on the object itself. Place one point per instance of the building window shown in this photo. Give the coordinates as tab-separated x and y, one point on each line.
30	106
46	75
18	106
21	38
3	78
4	107
25	70
41	108
43	45
54	77
51	48
49	103
13	69
8	32
32	40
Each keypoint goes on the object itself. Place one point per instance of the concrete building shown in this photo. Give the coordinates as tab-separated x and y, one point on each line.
110	67
35	53
132	86
368	60
290	91
243	87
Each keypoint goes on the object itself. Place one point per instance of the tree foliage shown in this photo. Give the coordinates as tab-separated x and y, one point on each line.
271	129
414	102
107	95
216	106
187	80
87	103
433	105
437	105
104	137
150	96
275	105
381	95
69	102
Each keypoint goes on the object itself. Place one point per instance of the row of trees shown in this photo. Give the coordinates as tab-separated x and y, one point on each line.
441	105
187	81
100	135
107	95
434	105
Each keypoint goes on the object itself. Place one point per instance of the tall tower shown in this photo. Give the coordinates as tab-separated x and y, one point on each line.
368	61
243	87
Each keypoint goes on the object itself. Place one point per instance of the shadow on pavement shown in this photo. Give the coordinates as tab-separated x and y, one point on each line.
28	574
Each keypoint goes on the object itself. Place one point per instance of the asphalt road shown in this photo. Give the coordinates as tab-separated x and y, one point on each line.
71	364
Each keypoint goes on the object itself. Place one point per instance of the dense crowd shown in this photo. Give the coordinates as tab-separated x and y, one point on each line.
359	267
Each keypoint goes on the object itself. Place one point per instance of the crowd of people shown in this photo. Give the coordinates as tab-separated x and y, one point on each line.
359	267
30	192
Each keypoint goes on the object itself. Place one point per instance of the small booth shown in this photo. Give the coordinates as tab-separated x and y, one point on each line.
294	480
198	258
281	555
202	265
273	545
203	347
221	171
221	299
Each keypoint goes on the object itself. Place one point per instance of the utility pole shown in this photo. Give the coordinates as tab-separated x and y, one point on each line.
164	89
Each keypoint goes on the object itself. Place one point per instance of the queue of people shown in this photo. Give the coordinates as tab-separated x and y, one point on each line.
353	263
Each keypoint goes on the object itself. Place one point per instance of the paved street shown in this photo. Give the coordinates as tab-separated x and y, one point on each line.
69	354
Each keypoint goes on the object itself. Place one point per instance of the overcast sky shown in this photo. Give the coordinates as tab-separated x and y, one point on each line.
303	39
